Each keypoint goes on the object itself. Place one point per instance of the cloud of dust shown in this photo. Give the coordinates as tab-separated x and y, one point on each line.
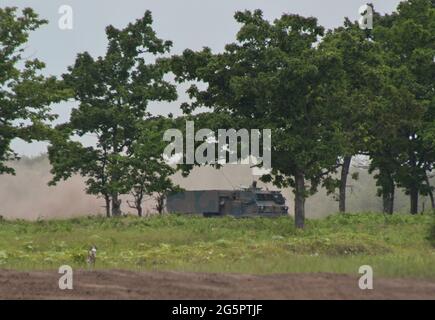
27	195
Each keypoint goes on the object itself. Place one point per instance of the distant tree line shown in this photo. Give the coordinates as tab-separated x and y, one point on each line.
326	95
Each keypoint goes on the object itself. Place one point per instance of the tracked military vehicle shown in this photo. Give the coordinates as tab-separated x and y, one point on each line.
246	202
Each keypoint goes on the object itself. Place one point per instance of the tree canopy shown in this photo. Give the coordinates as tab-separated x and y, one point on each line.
325	96
25	94
113	94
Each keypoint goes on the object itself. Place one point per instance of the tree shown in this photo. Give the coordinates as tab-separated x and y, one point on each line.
153	180
274	78
162	188
147	173
113	94
361	63
408	40
25	94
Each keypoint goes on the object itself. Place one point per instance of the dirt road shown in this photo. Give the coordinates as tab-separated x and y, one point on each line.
116	284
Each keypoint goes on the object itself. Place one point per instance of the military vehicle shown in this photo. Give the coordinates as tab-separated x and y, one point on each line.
246	202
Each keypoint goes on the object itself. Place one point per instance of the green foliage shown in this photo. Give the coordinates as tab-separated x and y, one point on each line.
325	97
359	96
396	245
25	95
402	149
273	77
352	92
146	172
113	94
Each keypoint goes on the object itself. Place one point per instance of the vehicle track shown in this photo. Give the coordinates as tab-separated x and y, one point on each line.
121	284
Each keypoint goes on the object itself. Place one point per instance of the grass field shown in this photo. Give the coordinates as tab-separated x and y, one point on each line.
395	246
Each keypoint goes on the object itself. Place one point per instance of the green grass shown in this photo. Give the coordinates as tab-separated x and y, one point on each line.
395	246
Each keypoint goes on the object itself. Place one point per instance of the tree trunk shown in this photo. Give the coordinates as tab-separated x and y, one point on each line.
414	185
160	199
107	200
116	205
138	198
432	200
299	200
343	183
385	202
116	202
388	197
392	194
414	200
431	196
388	202
139	205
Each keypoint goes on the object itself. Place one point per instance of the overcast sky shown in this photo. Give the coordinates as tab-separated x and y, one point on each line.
188	23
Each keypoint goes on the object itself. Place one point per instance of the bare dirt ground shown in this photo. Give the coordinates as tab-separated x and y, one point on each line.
116	284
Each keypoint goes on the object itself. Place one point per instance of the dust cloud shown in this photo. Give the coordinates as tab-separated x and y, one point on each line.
27	195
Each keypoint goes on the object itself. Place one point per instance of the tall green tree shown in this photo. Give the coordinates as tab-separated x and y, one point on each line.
273	77
408	40
362	82
386	141
113	94
146	172
25	93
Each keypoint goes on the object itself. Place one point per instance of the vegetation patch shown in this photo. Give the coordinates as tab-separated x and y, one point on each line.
398	245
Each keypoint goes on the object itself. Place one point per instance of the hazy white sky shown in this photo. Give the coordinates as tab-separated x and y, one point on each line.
188	23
